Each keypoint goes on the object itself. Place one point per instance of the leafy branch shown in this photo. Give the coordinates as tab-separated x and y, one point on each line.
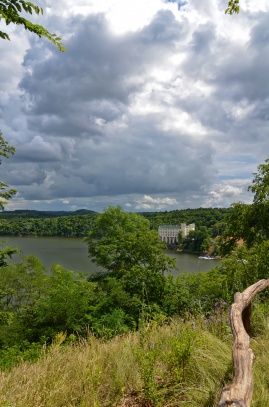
10	12
5	151
233	7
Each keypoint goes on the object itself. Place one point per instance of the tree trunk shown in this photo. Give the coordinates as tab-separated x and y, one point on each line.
239	393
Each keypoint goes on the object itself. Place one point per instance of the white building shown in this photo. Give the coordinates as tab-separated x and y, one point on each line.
169	233
185	229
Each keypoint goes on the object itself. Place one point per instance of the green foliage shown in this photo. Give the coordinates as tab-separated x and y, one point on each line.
111	324
79	223
11	12
6	254
35	305
121	241
208	217
63	307
181	348
66	226
245	266
250	222
112	373
14	355
164	360
5	151
180	237
5	148
233	7
260	184
20	214
147	355
198	240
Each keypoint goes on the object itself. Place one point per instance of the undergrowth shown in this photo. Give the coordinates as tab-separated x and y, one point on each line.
180	363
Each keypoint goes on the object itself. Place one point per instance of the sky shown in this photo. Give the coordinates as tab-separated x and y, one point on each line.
155	105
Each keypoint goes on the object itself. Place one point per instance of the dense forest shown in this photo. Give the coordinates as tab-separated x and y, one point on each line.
211	218
79	223
65	226
29	213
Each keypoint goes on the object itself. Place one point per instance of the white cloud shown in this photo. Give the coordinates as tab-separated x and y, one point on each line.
148	202
225	193
150	107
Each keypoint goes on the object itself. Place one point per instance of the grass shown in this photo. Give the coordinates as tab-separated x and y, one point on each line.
176	364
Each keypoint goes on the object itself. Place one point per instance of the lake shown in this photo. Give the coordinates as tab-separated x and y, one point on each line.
72	254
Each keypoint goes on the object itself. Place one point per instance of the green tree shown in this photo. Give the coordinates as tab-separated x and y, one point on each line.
6	253
120	241
5	151
260	184
11	12
5	194
63	307
130	252
36	304
251	222
198	240
180	237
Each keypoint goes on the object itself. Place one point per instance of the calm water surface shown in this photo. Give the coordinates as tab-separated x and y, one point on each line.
72	254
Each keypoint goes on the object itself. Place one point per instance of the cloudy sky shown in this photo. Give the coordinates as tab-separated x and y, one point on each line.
155	105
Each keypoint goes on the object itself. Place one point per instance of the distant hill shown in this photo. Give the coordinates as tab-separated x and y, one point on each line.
27	213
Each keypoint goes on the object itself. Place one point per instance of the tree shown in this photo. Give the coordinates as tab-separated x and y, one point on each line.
120	241
5	151
180	237
233	7
5	194
260	184
251	222
6	253
11	12
198	240
35	304
127	249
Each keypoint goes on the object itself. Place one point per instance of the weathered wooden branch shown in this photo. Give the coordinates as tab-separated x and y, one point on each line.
239	393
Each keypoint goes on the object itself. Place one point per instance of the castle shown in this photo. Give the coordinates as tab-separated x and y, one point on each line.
169	233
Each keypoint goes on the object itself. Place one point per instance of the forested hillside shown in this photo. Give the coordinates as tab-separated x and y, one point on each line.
212	218
66	226
28	214
79	223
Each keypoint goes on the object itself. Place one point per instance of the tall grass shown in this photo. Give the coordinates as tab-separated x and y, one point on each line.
176	364
173	365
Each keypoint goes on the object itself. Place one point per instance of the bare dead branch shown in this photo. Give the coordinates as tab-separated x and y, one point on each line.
239	393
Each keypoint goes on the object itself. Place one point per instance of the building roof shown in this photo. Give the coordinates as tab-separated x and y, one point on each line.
169	227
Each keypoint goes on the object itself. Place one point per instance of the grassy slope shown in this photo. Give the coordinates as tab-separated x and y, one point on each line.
146	368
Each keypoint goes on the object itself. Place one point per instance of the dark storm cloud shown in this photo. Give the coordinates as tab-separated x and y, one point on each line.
97	64
149	162
104	119
83	96
31	174
238	76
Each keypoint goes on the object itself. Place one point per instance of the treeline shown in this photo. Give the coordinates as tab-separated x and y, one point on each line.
214	219
65	226
78	224
29	213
